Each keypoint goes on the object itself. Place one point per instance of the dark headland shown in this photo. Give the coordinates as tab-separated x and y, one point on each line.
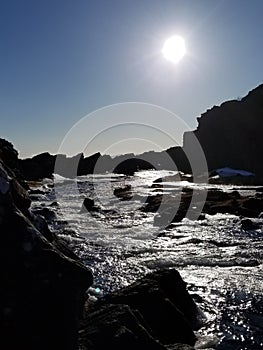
43	299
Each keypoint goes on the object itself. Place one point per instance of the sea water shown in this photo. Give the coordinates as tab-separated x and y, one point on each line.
221	262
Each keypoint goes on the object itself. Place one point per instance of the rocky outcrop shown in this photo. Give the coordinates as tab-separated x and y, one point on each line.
231	134
131	165
115	327
43	283
38	167
8	154
123	193
154	311
217	201
44	165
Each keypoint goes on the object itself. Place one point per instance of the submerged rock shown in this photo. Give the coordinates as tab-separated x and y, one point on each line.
176	207
247	224
123	193
89	205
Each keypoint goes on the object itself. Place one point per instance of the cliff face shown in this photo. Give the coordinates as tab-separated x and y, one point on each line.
231	135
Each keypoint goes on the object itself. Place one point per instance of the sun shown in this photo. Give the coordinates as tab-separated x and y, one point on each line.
174	48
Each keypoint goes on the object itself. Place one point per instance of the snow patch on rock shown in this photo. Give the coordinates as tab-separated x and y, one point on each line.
226	172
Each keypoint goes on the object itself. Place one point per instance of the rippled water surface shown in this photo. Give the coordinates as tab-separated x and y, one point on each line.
221	262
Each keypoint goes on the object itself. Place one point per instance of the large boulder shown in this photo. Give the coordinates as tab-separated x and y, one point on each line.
42	284
164	304
116	327
8	153
154	313
131	165
38	167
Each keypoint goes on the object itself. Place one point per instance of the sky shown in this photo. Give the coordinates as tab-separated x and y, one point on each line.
61	60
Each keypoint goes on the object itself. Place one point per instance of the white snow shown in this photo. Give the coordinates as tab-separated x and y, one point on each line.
4	182
59	178
226	172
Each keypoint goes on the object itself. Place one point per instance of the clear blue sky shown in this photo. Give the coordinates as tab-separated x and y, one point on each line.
62	59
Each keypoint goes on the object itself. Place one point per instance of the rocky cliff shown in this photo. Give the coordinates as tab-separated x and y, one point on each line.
231	134
43	283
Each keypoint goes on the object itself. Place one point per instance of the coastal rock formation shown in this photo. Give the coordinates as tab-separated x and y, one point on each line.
38	167
123	193
116	327
216	201
231	134
8	154
154	311
130	165
43	283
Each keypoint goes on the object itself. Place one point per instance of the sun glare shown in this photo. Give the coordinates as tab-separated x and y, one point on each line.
174	48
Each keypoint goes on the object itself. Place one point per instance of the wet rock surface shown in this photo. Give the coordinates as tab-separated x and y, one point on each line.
217	201
123	193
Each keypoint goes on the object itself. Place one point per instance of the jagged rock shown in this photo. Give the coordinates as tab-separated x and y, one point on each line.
42	284
165	306
36	191
217	201
226	130
38	167
89	205
47	213
41	225
87	165
116	327
253	204
8	154
131	165
123	193
247	224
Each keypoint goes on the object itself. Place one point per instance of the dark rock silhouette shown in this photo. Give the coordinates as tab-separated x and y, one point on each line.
38	167
123	193
158	306
231	134
43	283
8	154
89	205
116	327
217	201
131	165
247	224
